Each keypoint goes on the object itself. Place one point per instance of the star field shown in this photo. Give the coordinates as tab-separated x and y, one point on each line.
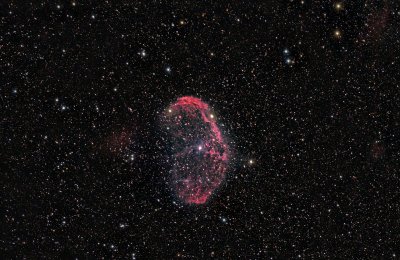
304	93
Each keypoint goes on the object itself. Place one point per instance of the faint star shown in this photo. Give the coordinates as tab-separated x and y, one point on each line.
122	225
142	53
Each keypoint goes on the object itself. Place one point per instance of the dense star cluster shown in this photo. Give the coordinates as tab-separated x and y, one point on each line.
305	96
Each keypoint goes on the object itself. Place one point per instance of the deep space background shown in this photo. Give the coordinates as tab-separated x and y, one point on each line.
306	92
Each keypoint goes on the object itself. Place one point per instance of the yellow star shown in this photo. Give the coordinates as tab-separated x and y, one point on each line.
337	33
338	6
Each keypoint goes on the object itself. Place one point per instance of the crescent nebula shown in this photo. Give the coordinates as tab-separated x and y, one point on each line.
199	153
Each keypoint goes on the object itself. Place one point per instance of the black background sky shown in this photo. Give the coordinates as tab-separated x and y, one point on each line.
307	90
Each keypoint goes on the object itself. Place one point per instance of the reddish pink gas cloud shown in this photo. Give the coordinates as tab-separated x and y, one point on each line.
201	154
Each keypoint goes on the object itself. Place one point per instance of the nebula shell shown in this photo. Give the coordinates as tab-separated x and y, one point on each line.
200	155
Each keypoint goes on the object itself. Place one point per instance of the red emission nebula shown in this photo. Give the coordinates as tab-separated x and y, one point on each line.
200	154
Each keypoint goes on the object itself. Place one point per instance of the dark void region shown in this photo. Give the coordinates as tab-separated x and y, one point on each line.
200	156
